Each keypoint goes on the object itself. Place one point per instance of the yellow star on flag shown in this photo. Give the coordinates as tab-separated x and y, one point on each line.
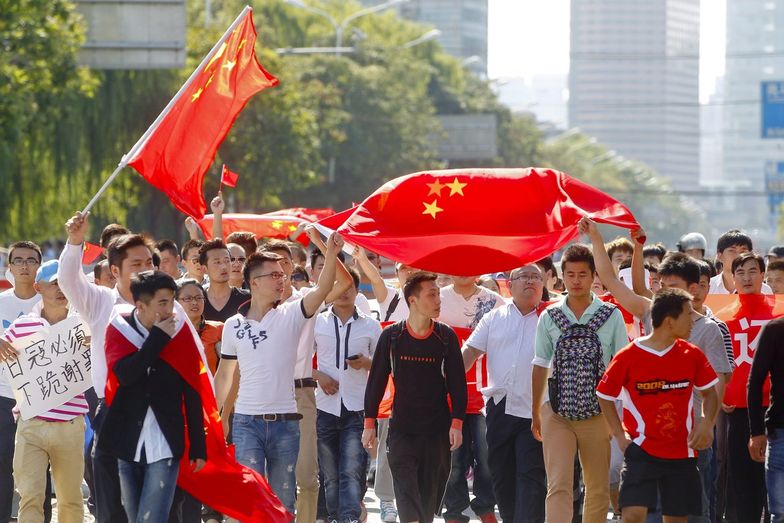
209	81
277	224
292	228
195	96
229	64
432	208
242	44
217	55
456	187
435	188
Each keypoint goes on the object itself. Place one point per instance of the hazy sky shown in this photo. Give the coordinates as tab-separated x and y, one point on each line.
529	37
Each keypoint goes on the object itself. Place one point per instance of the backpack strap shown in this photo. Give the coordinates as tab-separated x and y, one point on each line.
395	331
392	306
560	319
601	316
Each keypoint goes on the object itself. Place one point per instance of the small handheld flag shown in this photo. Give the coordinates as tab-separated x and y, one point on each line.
91	253
228	178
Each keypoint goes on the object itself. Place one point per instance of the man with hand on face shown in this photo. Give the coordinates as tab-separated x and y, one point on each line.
424	359
655	377
128	255
150	400
262	341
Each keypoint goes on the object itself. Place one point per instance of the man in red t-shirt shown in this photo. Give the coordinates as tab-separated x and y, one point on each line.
655	377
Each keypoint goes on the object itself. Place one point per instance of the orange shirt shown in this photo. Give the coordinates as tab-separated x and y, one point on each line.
210	333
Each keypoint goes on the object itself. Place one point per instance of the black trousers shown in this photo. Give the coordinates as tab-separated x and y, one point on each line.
7	438
745	477
185	508
420	465
516	466
106	478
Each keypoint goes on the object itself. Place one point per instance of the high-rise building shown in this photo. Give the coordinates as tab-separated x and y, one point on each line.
755	40
634	81
463	26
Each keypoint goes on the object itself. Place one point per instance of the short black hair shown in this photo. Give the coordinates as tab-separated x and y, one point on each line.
211	245
110	232
681	265
733	238
578	252
619	245
657	249
275	245
167	246
706	269
298	253
546	264
181	284
246	240
414	283
354	277
156	259
777	265
746	256
668	303
119	246
190	244
298	273
101	266
24	245
145	284
258	259
315	254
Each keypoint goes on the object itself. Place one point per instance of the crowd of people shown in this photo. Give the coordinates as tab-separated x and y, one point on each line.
552	392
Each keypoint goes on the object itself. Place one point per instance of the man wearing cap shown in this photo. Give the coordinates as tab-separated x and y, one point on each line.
776	253
55	437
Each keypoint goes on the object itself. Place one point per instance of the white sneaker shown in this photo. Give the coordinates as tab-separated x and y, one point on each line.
388	512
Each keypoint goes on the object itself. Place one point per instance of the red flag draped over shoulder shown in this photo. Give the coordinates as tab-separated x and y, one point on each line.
467	222
223	484
178	152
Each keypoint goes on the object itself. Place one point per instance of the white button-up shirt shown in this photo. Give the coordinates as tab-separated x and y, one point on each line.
507	338
335	341
717	286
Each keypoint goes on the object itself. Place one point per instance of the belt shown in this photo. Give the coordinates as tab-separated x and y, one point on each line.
305	383
278	417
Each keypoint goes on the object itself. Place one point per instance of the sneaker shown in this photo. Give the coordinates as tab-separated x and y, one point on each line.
488	518
388	512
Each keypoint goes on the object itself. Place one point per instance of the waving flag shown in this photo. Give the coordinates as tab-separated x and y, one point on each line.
228	178
177	153
468	222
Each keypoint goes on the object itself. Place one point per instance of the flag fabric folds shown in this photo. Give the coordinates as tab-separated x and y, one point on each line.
263	226
223	484
176	155
475	221
228	178
91	253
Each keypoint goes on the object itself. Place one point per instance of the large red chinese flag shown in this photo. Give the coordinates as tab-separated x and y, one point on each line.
178	152
468	222
262	225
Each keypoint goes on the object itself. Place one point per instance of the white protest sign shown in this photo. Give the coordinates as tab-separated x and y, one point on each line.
53	366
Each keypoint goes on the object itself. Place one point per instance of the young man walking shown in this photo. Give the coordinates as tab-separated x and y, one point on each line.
424	359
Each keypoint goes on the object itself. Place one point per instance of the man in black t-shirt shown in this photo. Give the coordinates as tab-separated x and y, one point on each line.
424	359
222	299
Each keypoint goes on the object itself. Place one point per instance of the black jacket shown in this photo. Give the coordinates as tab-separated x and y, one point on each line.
148	381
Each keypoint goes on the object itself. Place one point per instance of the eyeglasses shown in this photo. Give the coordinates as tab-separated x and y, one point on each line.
273	275
240	259
191	299
18	262
527	277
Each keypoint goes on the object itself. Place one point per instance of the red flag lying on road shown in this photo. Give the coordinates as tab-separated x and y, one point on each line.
178	152
223	484
228	178
475	221
90	253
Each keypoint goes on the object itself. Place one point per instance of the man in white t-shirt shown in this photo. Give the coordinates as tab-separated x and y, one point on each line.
505	337
24	258
345	340
730	245
262	341
463	304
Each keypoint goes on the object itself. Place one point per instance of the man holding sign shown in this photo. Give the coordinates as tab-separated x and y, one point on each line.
55	436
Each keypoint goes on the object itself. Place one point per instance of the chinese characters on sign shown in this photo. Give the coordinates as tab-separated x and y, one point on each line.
53	366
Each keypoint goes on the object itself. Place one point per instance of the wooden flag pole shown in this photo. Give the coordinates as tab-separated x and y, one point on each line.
138	145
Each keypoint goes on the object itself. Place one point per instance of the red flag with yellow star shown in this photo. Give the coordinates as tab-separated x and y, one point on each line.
475	221
182	146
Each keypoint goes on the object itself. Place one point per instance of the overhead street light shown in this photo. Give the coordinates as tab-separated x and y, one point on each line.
430	35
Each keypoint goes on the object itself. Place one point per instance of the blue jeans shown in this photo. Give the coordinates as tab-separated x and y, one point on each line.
148	489
342	461
270	448
774	476
473	451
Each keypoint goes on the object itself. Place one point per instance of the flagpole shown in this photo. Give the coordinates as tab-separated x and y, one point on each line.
130	154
